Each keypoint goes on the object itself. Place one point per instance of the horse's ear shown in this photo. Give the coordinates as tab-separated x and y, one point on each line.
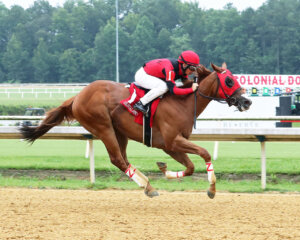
224	65
213	66
201	70
216	68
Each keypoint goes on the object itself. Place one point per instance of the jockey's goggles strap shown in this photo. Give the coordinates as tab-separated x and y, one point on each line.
183	59
184	68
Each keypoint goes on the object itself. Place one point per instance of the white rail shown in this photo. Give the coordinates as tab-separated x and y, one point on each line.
22	117
274	118
36	94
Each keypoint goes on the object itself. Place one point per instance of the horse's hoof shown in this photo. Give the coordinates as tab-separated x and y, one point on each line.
211	194
161	164
151	194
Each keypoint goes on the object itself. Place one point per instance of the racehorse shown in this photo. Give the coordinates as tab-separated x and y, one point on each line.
97	108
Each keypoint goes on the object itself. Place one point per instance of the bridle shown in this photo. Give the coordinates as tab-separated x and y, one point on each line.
230	100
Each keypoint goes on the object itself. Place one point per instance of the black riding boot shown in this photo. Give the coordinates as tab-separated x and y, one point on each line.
140	107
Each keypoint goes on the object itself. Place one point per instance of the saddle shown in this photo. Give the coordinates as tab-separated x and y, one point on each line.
137	92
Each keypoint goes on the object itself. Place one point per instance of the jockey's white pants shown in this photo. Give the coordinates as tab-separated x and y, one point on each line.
158	87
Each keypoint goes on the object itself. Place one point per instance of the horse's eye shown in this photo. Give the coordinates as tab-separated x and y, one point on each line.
229	82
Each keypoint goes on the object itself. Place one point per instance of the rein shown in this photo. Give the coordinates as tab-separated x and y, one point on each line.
195	108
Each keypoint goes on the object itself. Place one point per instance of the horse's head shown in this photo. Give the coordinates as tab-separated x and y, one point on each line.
229	88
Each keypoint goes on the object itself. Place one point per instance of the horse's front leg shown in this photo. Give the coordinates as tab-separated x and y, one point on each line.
181	144
180	157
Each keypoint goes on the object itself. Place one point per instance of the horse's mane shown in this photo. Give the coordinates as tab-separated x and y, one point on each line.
202	73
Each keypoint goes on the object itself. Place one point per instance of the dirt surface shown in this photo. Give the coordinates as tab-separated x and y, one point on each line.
117	215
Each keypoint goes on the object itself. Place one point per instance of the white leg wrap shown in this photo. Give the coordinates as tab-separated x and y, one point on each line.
210	173
137	176
172	175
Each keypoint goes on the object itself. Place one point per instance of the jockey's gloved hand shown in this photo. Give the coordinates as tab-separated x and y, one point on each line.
195	86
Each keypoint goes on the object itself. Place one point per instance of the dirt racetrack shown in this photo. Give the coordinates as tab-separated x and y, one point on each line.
116	214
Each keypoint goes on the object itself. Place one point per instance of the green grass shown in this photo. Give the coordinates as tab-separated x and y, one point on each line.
32	101
296	124
113	182
36	97
237	158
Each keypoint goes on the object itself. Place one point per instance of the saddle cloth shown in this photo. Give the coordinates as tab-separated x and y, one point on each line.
135	94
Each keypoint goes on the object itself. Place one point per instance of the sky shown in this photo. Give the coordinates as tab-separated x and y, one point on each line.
205	4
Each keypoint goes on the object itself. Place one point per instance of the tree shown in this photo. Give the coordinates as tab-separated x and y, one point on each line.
251	62
62	38
130	21
4	29
192	19
16	62
161	13
164	42
263	41
88	65
40	15
45	64
143	44
83	26
277	22
69	67
105	53
180	41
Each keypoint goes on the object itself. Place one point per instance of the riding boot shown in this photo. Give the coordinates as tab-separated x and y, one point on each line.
140	107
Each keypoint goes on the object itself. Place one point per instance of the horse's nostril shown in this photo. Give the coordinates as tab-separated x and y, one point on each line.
248	102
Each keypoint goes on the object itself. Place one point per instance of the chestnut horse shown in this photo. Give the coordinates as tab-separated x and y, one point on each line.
97	108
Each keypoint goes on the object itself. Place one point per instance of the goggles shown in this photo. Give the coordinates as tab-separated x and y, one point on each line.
192	68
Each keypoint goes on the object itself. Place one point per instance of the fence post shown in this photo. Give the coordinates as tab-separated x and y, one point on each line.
92	161
262	139
263	165
216	150
87	149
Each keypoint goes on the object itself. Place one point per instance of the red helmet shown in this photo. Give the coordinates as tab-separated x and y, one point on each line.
189	58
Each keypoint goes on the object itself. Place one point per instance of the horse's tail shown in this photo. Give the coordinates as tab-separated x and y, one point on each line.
53	118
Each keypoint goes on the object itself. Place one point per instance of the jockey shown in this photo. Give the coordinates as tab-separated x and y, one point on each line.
159	75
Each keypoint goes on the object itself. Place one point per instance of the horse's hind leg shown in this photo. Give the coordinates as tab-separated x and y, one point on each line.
116	148
123	142
130	170
149	190
182	158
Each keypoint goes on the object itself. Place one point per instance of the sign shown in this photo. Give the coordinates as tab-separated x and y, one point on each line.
269	85
253	80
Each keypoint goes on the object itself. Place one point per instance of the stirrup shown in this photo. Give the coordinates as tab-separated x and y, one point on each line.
140	107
